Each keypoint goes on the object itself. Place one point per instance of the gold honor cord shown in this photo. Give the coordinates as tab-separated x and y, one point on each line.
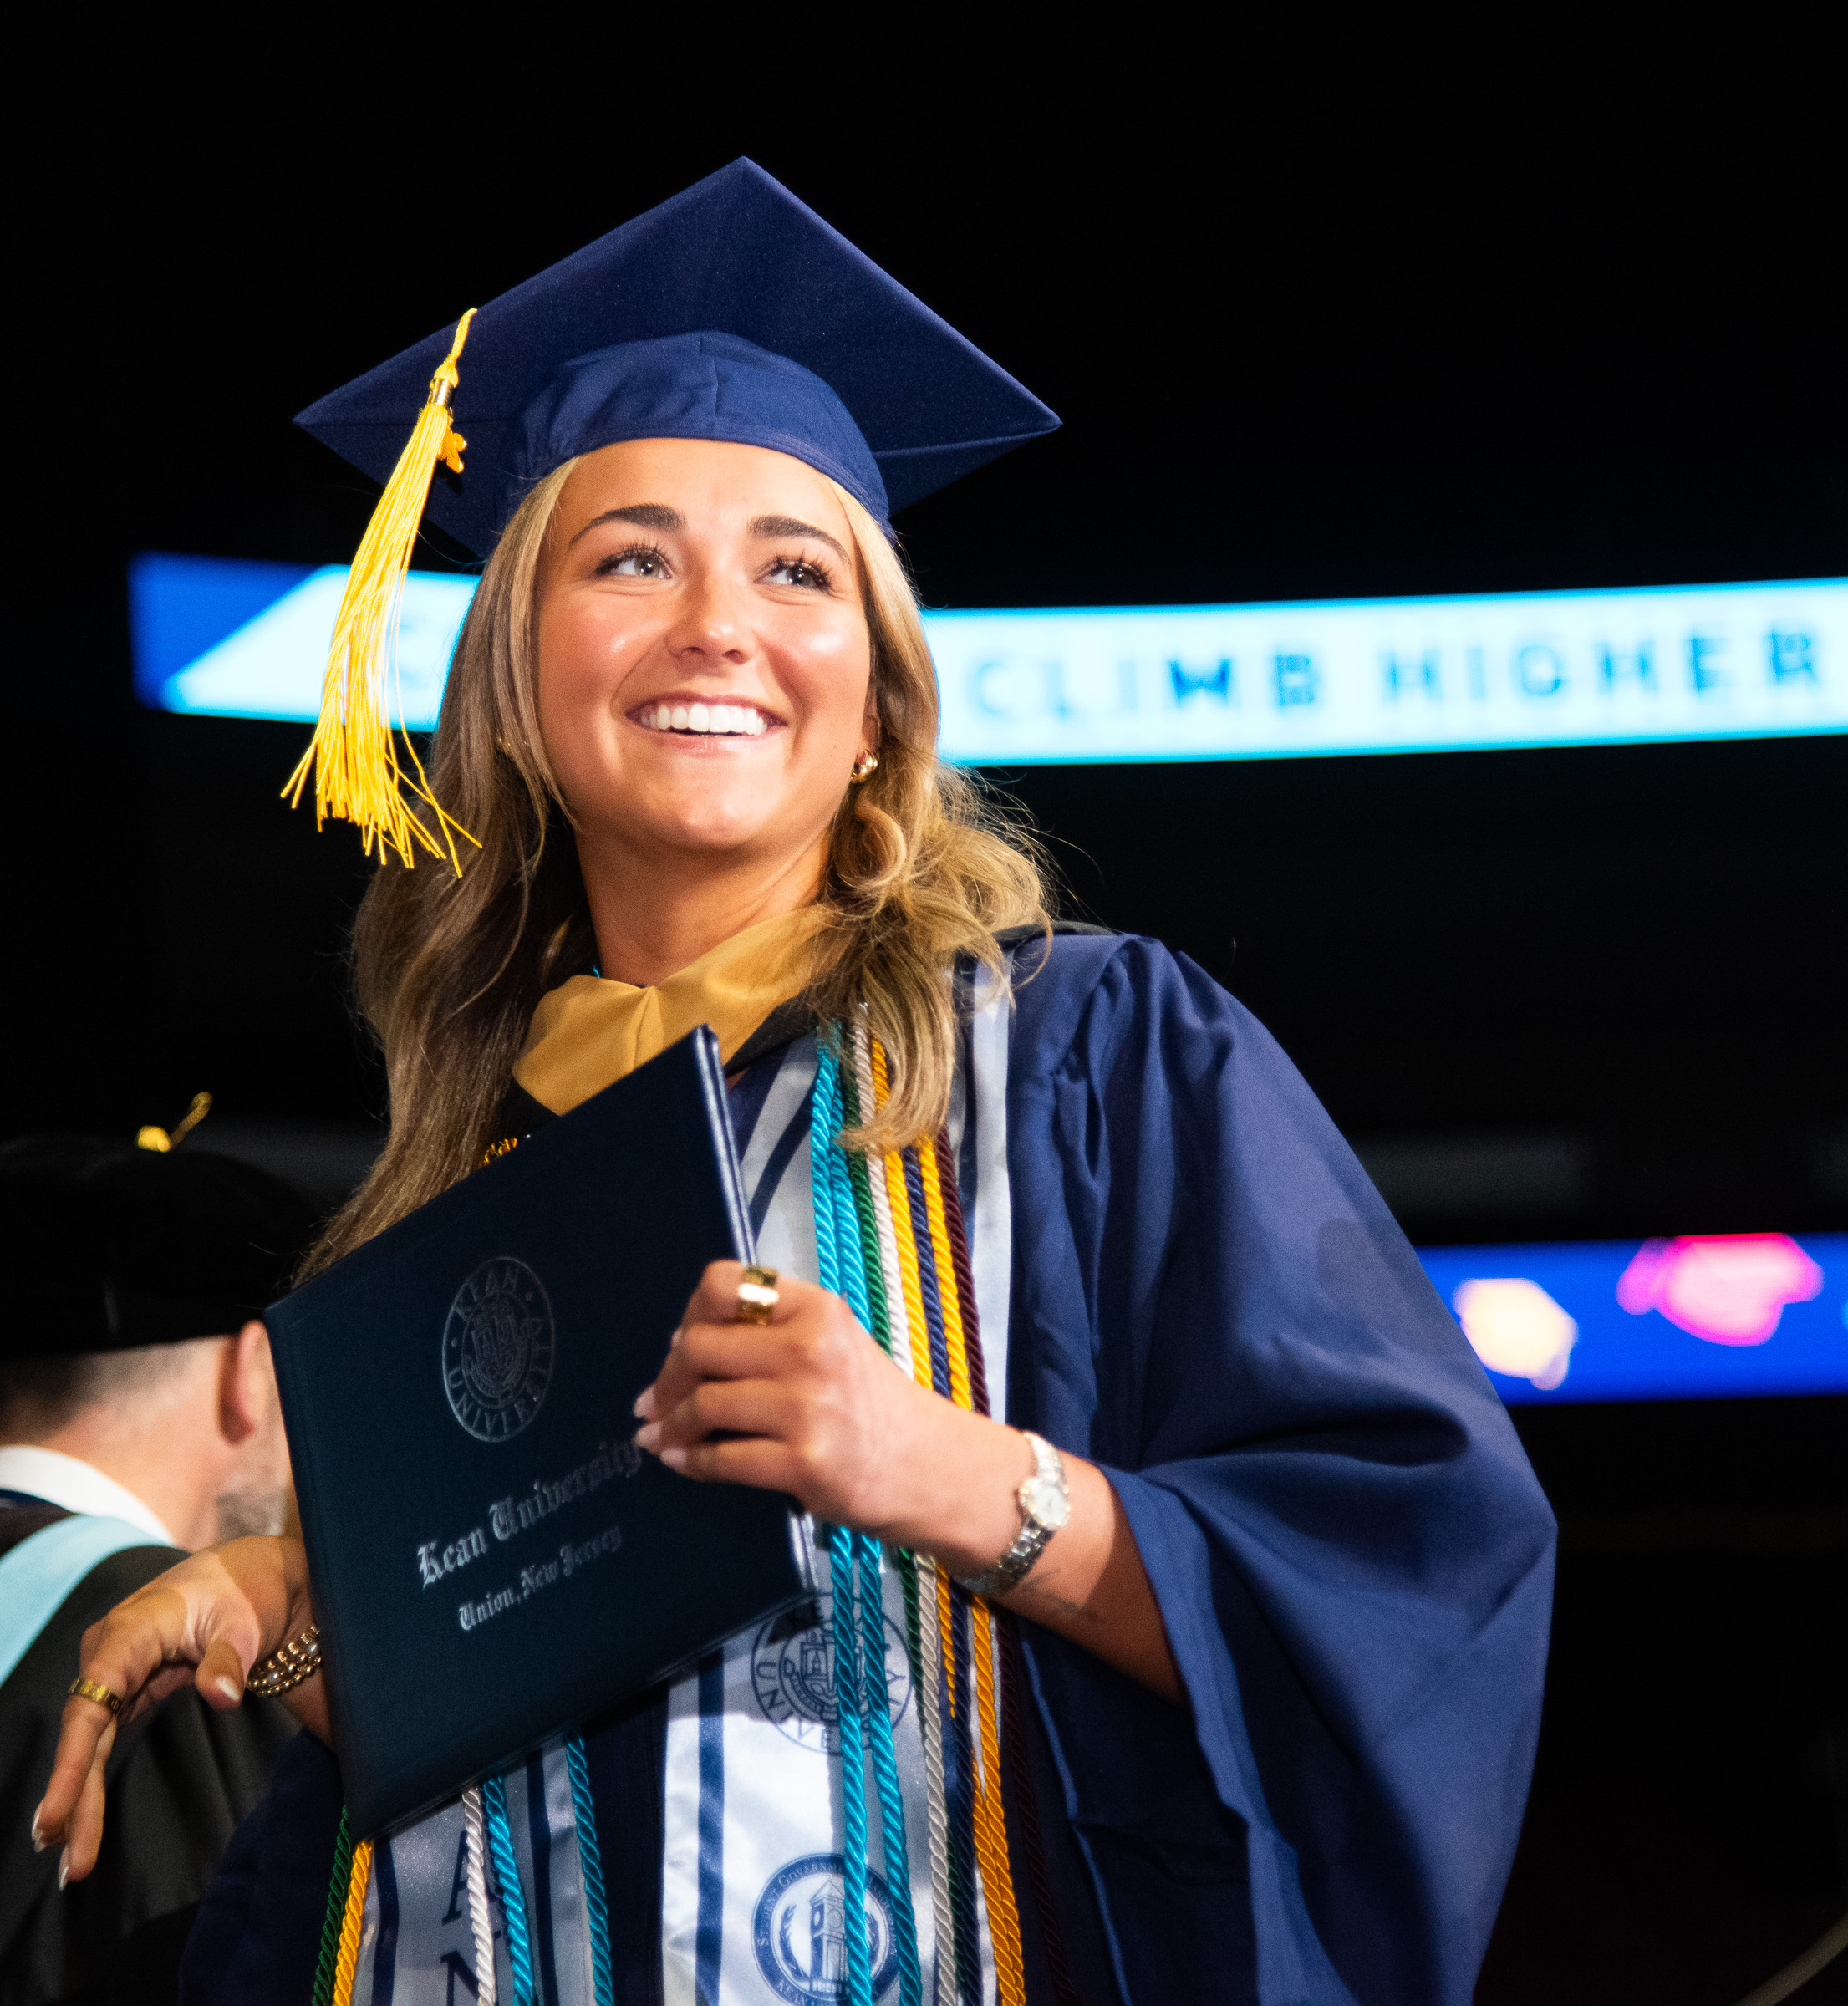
358	775
989	1817
352	1921
990	1834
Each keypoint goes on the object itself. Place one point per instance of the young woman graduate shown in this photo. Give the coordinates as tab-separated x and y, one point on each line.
1223	1682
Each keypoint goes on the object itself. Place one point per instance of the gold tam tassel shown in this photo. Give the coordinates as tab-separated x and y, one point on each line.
358	776
160	1140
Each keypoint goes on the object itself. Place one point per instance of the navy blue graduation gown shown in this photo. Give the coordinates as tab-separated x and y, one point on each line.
1351	1556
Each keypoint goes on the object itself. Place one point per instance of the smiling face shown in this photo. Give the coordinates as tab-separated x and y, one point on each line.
705	667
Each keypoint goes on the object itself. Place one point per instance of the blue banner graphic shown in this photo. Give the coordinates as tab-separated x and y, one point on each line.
1078	686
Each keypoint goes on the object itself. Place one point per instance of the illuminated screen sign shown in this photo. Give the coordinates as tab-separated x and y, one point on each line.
1706	1316
240	639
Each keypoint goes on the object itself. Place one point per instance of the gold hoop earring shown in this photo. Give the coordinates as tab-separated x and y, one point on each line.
864	766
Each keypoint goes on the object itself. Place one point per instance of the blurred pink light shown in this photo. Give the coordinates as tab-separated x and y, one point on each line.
1729	1288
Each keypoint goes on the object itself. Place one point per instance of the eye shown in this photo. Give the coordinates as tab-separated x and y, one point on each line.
806	574
638	561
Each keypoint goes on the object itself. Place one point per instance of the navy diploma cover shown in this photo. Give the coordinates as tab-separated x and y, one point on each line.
493	1559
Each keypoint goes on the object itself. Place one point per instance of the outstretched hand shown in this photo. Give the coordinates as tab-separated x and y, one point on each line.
205	1622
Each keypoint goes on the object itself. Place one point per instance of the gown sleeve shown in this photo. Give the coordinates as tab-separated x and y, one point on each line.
1351	1555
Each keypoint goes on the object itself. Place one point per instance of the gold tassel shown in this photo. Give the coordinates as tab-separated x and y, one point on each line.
151	1137
358	776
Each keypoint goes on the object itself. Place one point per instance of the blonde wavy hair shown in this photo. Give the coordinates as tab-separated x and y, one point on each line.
924	869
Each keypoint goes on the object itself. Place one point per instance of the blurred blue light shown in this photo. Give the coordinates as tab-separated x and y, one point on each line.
1723	1316
1080	686
181	607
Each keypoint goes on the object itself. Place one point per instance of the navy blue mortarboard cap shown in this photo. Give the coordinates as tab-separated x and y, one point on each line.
730	312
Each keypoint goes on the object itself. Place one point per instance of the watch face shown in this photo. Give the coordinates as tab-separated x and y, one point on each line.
1047	1501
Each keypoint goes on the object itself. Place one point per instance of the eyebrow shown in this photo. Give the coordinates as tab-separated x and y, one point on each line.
794	526
644	515
657	516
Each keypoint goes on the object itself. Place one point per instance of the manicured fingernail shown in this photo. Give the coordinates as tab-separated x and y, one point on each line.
644	1404
63	1869
646	1438
39	1841
673	1459
228	1686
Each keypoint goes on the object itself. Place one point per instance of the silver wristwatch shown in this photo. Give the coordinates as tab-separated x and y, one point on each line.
1045	1506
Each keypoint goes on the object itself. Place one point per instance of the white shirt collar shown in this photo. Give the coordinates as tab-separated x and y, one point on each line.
78	1486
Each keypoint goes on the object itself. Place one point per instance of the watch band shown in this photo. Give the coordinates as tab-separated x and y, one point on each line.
1014	1566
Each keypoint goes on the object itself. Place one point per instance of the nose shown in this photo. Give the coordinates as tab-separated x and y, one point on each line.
711	623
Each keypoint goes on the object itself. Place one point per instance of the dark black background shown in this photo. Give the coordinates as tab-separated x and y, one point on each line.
1321	320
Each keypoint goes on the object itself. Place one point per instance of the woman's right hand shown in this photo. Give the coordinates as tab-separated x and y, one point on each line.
209	1619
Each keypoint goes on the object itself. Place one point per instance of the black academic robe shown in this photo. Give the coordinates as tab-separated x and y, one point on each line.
180	1779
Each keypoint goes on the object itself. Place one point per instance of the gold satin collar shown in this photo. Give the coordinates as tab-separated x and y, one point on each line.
589	1032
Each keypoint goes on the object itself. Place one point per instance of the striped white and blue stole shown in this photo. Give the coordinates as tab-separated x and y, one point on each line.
832	1820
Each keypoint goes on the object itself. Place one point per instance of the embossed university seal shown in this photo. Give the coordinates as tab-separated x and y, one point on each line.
498	1347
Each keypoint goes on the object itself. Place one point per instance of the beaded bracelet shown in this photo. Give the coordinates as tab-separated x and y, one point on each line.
298	1659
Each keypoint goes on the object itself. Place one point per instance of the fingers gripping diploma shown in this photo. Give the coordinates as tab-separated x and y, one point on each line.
808	1404
206	1622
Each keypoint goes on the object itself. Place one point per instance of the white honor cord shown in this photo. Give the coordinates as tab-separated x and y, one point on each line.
931	1650
898	1317
898	1321
476	1847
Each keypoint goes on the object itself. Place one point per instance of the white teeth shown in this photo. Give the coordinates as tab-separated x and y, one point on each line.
742	721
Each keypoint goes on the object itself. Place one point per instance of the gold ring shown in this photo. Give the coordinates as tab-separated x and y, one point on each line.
87	1688
757	1296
